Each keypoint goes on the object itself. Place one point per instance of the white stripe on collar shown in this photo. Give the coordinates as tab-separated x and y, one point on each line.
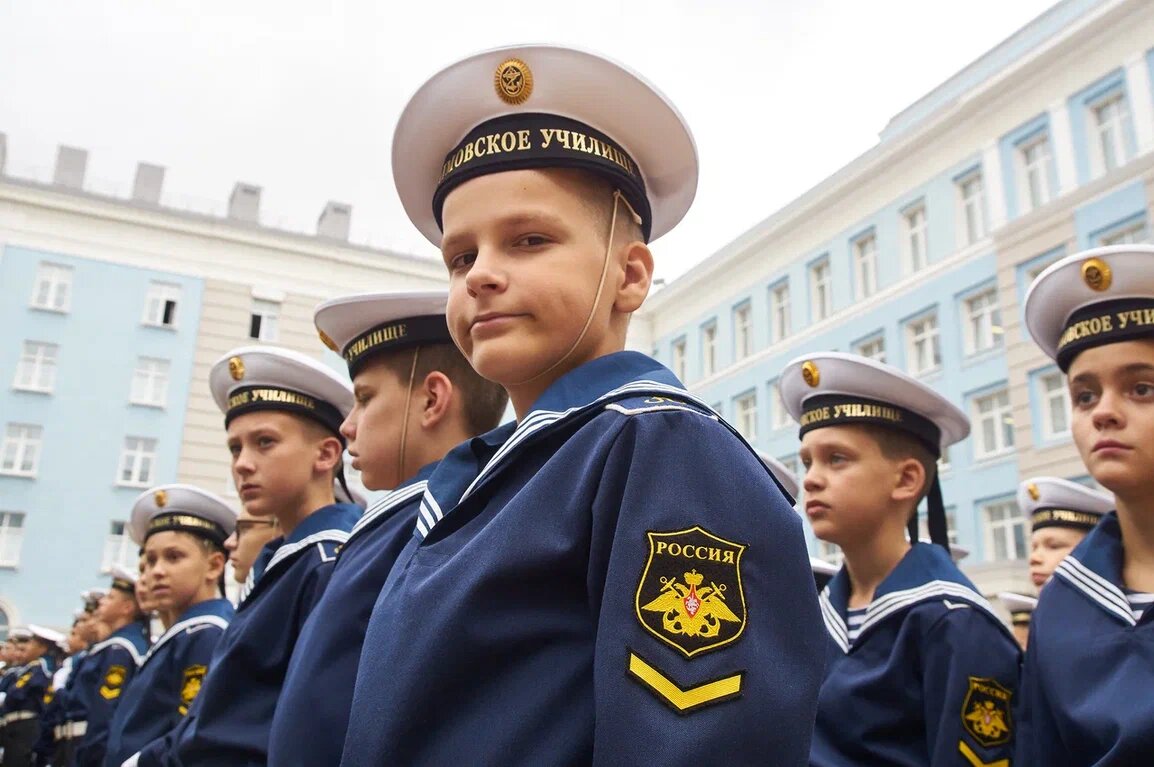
290	549
388	503
1097	588
185	625
834	625
118	642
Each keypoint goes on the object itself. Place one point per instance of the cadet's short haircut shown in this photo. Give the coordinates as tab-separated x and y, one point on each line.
483	401
900	445
596	193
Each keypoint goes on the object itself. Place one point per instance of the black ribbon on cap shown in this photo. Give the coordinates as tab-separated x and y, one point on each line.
395	335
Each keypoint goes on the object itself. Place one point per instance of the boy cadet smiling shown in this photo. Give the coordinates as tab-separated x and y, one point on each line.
416	398
1087	678
542	615
921	670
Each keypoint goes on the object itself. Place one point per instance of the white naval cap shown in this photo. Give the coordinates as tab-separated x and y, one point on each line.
1096	297
183	508
254	378
541	106
360	326
786	477
1021	607
123	578
1056	502
45	634
19	634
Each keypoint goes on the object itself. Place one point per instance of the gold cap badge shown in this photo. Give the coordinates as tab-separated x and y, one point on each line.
1032	489
328	341
236	368
513	81
1097	274
810	373
161	498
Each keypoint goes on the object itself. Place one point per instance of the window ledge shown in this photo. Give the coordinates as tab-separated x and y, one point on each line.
159	326
1055	440
150	405
18	474
134	485
993	459
49	310
32	390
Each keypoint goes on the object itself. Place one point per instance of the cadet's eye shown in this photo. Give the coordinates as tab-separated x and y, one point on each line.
266	441
532	241
1143	389
1083	398
462	261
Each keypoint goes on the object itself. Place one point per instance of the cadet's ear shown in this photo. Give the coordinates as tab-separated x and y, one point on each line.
910	480
437	391
636	277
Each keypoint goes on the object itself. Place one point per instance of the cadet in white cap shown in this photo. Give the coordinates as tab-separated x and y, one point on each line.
181	529
911	640
1021	608
246	542
27	696
416	399
1061	513
282	411
542	173
1087	678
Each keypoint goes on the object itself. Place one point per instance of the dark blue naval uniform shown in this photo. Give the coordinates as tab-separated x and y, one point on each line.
96	687
928	681
29	693
48	746
230	722
313	711
1086	687
622	583
167	681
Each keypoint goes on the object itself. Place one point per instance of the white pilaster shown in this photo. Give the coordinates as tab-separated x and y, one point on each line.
995	184
1062	145
1139	97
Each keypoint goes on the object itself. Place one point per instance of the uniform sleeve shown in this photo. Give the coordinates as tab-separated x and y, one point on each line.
119	667
970	673
710	646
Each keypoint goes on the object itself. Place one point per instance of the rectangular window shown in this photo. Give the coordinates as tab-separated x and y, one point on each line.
874	348
742	332
973	203
149	382
923	346
36	370
20	455
160	304
11	538
994	427
1005	531
1127	235
679	359
1034	170
745	408
262	325
709	349
820	290
1055	405
137	462
1111	122
917	254
780	324
778	413
983	321
53	288
865	263
118	549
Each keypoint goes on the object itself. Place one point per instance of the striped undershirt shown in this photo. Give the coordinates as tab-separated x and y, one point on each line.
853	622
1139	601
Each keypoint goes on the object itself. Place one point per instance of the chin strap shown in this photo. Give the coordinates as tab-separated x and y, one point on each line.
405	423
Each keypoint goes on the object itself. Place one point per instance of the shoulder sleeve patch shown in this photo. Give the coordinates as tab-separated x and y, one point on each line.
190	686
986	713
655	404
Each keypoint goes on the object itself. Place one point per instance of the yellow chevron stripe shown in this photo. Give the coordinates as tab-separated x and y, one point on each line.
973	759
684	700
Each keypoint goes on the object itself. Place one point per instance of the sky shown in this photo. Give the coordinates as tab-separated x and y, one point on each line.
301	98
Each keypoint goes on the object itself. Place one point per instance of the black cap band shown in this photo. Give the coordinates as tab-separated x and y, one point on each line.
183	522
1053	517
529	140
248	399
395	335
1021	617
1105	322
124	585
823	410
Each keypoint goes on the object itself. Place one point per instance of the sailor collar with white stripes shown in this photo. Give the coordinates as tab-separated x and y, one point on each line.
389	503
317	528
1094	569
211	612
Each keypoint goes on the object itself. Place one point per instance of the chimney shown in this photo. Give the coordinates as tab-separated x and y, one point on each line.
3	152
244	204
149	181
70	165
334	221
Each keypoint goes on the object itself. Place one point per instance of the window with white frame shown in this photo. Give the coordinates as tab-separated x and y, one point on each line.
263	323
1126	235
983	327
1034	172
944	464
778	414
678	359
972	198
1005	531
820	290
742	331
53	287
745	410
20	455
11	538
149	382
36	370
994	432
709	349
916	249
137	462
780	324
118	549
923	345
160	304
1055	405
865	265
1110	119
873	348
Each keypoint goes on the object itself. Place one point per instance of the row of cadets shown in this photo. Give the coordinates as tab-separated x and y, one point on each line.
921	670
73	649
623	580
28	692
1021	609
181	530
283	412
416	397
1085	693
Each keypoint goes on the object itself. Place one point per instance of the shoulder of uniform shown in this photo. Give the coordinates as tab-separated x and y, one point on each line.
642	404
